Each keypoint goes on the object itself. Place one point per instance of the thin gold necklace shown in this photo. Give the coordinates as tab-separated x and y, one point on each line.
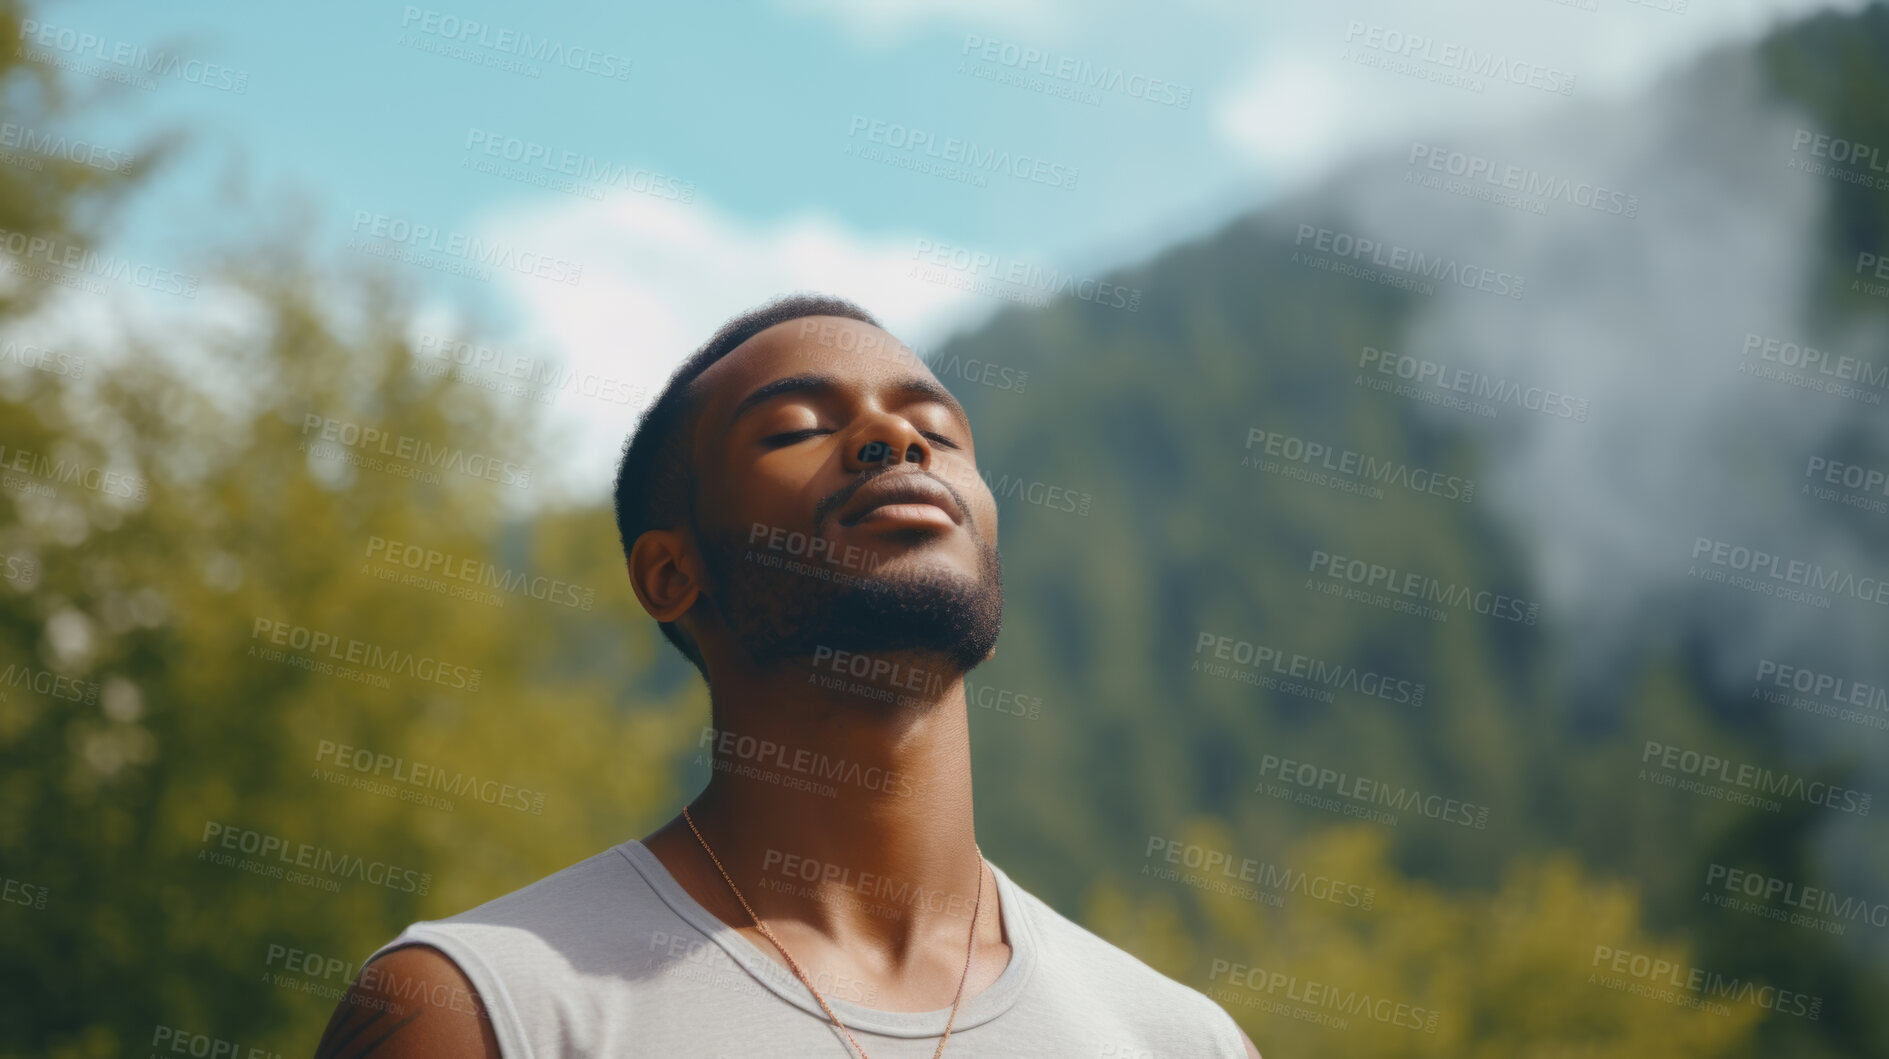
969	948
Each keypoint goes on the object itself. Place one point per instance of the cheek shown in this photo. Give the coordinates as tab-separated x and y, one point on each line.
756	496
736	499
765	494
985	505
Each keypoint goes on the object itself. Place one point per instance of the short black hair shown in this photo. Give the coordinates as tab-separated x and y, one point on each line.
655	487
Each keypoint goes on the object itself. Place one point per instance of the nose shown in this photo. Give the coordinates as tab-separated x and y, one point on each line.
886	439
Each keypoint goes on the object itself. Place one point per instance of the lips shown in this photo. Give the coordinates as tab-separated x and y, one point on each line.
909	487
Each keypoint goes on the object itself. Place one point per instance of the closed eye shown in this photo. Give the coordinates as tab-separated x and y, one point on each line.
792	436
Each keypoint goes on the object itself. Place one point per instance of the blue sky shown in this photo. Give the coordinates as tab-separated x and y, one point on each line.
751	105
752	109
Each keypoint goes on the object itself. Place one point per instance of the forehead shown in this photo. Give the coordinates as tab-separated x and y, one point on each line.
829	345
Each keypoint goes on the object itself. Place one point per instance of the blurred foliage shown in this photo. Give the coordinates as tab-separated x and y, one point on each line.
149	606
109	802
1506	975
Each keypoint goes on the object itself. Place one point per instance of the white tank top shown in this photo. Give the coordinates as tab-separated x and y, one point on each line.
611	957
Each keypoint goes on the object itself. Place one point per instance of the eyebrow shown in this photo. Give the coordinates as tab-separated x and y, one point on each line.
914	386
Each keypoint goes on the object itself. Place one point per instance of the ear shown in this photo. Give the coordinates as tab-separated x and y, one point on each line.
665	573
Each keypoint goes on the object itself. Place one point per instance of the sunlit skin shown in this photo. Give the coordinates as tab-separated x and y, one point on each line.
749	475
792	461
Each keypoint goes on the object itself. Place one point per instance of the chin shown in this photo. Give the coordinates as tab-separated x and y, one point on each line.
914	603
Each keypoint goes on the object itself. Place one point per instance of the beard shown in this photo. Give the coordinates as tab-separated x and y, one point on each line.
777	616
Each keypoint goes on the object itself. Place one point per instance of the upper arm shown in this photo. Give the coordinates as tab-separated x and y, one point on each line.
1251	1052
411	1003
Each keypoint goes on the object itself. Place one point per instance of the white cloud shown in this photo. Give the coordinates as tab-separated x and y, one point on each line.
659	277
1292	116
1306	102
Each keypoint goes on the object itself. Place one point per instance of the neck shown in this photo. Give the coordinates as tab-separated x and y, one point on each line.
829	805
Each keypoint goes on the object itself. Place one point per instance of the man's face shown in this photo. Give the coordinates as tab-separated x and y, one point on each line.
839	503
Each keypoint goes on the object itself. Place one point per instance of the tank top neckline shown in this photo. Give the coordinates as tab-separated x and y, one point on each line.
993	1001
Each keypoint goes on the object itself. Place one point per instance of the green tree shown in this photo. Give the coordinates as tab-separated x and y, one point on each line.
172	725
1422	970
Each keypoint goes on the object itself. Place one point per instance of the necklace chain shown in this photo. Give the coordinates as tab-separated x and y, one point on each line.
969	948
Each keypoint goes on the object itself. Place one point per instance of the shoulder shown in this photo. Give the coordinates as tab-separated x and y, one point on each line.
573	911
601	879
470	981
1102	970
410	1003
1073	949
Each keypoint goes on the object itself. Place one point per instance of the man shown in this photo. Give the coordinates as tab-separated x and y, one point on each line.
802	514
